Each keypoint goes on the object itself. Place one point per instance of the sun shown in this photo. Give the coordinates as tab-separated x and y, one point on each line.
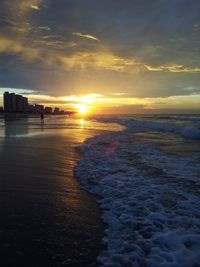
82	109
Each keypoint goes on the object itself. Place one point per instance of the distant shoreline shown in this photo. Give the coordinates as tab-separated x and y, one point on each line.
22	115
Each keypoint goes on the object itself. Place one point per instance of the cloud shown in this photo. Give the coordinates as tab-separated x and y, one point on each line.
45	28
43	50
87	36
173	68
102	60
119	94
35	7
23	7
26	5
17	48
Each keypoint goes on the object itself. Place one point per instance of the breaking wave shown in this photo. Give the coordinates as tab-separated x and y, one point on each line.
150	200
136	126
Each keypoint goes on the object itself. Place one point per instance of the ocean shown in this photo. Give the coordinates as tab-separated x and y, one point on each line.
148	180
145	172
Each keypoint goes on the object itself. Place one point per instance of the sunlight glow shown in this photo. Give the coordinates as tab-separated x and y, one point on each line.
82	122
82	109
114	103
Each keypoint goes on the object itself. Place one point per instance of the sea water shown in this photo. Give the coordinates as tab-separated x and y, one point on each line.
146	172
22	125
148	179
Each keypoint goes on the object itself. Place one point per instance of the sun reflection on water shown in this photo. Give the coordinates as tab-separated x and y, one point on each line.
82	123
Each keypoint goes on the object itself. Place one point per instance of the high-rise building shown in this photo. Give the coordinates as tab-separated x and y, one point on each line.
48	110
25	104
56	110
6	101
31	108
9	102
15	103
39	108
19	103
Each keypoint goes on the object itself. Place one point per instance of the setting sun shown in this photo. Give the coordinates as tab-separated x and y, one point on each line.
82	109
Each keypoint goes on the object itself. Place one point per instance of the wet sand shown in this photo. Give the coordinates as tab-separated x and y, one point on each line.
46	219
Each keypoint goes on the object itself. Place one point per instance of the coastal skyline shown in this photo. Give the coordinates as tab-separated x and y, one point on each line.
13	103
107	56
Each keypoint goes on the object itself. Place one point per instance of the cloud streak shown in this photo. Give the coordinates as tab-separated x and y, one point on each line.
173	68
35	7
87	36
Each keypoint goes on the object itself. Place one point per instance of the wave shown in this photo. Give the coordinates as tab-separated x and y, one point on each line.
136	126
175	117
149	200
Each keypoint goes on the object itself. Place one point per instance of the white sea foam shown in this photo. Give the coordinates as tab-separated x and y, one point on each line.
137	125
175	117
150	200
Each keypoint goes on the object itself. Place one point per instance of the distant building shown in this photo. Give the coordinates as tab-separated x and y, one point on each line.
39	108
15	103
48	110
25	104
56	110
19	103
9	102
6	101
30	108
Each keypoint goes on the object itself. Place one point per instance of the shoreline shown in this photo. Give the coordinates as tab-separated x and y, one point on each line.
46	218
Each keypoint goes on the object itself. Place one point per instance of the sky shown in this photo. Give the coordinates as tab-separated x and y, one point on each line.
114	56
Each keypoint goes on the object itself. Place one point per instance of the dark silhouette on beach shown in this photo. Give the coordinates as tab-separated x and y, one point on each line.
42	117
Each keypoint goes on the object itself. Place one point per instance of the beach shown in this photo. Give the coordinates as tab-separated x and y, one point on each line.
46	218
